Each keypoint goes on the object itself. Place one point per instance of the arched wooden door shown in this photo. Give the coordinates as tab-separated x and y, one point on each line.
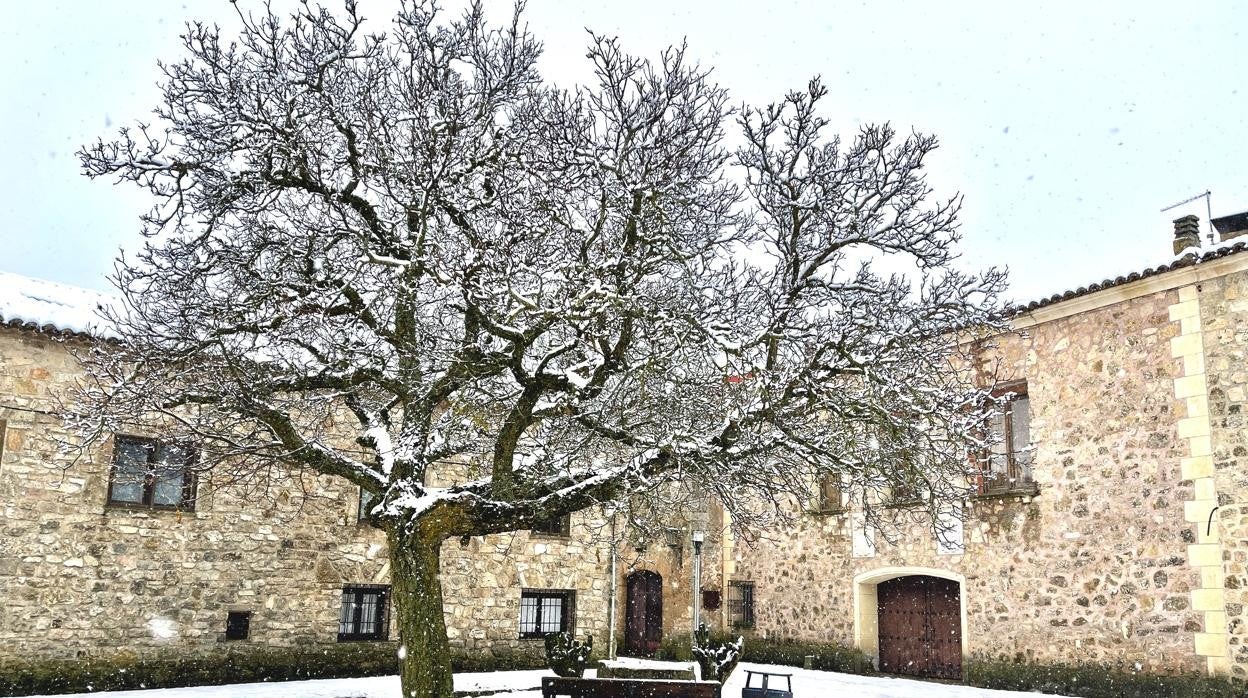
643	619
920	625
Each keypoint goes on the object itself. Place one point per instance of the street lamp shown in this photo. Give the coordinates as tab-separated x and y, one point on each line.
698	537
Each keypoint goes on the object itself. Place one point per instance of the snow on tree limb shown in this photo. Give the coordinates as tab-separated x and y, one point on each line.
371	254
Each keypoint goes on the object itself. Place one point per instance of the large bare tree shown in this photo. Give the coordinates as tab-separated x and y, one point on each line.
373	253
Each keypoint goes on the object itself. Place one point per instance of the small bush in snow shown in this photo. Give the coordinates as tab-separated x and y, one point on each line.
716	658
567	657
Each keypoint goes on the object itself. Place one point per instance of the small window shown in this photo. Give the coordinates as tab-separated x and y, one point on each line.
364	615
1007	465
366	503
152	473
710	599
237	625
741	604
831	495
545	611
902	494
555	526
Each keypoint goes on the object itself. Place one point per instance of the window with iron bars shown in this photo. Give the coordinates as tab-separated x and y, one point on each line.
546	611
741	604
365	613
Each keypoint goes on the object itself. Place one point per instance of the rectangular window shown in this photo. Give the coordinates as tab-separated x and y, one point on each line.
545	611
366	503
831	496
237	625
741	604
365	613
152	473
1007	465
902	494
555	526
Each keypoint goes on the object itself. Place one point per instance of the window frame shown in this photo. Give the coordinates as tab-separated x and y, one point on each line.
824	504
354	634
562	530
154	447
741	602
567	611
1019	480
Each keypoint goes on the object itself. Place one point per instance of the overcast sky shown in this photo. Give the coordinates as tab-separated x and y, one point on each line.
1066	125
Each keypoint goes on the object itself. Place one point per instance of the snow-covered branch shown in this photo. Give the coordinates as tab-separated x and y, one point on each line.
374	254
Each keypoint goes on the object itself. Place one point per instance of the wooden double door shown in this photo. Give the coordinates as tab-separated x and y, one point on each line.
920	627
643	616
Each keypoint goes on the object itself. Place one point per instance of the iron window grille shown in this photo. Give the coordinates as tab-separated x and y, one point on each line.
1007	466
365	613
544	611
152	473
741	604
554	526
237	625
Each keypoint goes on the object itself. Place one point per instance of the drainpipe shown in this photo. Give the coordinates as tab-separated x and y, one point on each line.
698	537
614	593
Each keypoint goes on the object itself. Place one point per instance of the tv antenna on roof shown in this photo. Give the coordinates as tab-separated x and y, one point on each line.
1207	196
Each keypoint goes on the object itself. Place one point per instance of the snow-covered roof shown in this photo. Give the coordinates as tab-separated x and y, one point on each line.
52	307
1187	259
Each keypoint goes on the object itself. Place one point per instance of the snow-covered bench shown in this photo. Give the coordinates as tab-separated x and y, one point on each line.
553	687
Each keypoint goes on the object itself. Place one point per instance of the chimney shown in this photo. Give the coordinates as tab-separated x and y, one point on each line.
1186	234
1230	227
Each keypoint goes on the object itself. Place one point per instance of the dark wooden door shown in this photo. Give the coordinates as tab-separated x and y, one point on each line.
643	618
920	626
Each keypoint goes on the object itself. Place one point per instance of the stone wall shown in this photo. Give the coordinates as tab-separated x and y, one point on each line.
1092	569
80	577
1223	316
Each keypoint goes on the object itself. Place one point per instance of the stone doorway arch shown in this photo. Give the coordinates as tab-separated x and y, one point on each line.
867	605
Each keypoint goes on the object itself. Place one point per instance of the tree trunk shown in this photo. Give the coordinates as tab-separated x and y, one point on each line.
417	592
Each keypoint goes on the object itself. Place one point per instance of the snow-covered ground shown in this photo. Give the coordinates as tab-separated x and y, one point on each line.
372	687
523	684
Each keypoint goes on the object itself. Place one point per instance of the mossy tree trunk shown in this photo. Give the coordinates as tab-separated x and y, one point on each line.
417	595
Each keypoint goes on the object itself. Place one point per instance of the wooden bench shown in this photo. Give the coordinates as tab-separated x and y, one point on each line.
552	687
765	690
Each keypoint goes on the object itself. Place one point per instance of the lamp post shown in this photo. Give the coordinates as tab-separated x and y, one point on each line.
609	510
698	537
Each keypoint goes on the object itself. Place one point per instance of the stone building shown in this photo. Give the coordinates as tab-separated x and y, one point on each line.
93	563
1112	524
90	565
